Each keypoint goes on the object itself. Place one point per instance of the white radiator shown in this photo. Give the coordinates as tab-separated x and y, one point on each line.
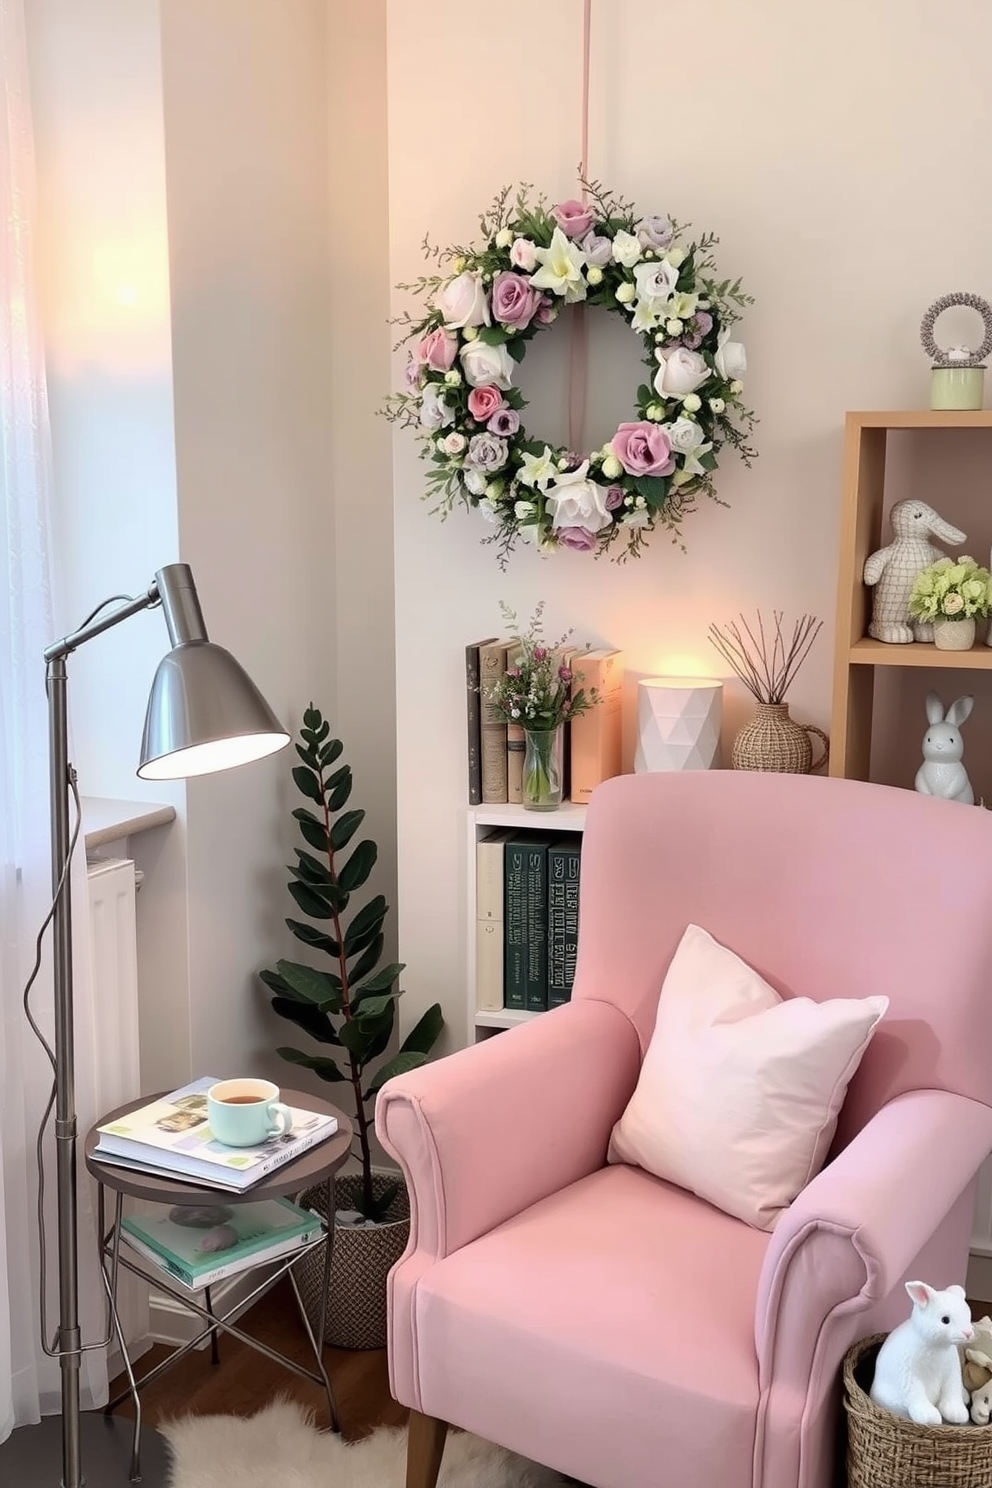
114	963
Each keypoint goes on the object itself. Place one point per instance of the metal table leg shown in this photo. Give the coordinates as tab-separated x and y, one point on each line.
110	1287
214	1343
317	1344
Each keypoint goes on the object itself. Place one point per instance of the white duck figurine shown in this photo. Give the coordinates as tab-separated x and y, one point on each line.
894	568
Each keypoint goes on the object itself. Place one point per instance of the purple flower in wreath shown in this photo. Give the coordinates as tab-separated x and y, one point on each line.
505	422
579	539
654	232
698	329
614	497
514	302
486	452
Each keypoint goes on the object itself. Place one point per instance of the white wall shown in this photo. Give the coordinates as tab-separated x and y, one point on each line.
813	142
245	100
104	283
361	456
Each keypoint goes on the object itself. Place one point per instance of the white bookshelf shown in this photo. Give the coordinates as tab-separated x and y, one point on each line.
480	821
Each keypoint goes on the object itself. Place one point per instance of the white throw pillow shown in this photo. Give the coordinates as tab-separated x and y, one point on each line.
740	1089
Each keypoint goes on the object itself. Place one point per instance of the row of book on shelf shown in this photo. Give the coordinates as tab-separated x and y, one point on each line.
199	1246
527	919
592	751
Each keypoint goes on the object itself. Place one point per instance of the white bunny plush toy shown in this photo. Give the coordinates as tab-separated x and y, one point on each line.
942	772
918	1369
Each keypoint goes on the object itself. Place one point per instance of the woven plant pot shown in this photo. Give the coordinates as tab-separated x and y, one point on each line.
363	1256
775	741
886	1451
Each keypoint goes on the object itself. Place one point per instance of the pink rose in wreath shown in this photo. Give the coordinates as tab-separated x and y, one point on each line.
579	539
438	350
484	401
573	217
643	449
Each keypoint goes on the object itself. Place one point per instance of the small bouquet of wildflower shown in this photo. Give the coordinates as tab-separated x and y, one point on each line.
951	589
535	692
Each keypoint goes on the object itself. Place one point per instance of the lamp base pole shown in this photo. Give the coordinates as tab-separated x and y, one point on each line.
31	1457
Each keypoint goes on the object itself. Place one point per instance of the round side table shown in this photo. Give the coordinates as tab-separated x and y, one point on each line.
318	1165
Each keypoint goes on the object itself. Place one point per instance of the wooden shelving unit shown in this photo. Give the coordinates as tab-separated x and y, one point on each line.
855	655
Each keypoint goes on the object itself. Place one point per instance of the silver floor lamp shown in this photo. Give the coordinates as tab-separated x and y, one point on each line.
204	714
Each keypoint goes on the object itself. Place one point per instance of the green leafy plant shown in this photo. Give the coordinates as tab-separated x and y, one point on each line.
951	589
350	1009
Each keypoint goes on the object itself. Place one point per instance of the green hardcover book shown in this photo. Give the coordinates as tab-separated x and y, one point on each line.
228	1237
515	924
563	917
536	888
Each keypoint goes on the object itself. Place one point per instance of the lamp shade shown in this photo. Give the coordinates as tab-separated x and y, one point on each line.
204	714
678	724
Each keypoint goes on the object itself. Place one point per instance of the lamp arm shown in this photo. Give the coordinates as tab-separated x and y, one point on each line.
94	627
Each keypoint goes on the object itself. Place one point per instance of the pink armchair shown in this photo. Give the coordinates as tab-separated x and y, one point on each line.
615	1327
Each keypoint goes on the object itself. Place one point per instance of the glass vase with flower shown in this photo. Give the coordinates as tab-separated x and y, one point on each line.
536	693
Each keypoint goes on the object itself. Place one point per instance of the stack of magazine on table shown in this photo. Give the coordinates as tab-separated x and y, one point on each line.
203	1245
200	1245
171	1138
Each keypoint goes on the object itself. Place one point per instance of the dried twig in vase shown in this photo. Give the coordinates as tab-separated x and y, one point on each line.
767	670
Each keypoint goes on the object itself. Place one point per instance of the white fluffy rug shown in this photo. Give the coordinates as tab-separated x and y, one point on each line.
280	1448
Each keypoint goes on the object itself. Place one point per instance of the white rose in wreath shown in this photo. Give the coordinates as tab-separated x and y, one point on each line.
434	411
577	501
731	358
463	301
681	373
486	365
656	281
475	480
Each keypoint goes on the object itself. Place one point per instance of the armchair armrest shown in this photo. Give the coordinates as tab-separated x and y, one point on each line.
486	1132
850	1236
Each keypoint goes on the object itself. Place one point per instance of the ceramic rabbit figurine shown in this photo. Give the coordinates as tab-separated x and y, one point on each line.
918	1369
894	568
942	772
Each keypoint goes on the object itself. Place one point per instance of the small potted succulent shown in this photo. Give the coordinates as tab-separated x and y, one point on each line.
348	1009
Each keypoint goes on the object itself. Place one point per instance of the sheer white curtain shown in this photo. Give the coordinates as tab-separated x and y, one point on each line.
29	1382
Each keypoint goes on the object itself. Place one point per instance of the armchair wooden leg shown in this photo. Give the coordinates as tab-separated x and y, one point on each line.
424	1449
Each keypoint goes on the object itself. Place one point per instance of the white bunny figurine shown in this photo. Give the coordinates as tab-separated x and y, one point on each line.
918	1369
894	568
942	772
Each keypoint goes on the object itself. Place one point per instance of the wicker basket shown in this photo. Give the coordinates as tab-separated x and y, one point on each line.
887	1451
356	1303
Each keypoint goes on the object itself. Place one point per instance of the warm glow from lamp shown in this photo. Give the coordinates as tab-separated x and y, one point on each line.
678	724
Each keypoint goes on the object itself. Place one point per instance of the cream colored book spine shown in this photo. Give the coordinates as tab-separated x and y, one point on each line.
489	923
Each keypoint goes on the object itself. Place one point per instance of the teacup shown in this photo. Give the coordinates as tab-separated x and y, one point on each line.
246	1113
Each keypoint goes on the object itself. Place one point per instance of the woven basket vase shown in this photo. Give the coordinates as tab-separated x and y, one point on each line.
774	741
886	1451
356	1302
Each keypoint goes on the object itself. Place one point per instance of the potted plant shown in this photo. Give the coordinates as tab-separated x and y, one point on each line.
348	1008
949	595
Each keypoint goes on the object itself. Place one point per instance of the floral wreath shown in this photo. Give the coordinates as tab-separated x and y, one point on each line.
479	318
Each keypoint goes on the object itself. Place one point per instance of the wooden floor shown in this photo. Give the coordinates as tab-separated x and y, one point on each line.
244	1380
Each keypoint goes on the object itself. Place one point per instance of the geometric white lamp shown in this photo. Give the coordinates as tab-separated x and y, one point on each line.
678	724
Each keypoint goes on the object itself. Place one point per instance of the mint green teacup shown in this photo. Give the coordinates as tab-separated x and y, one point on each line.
245	1113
